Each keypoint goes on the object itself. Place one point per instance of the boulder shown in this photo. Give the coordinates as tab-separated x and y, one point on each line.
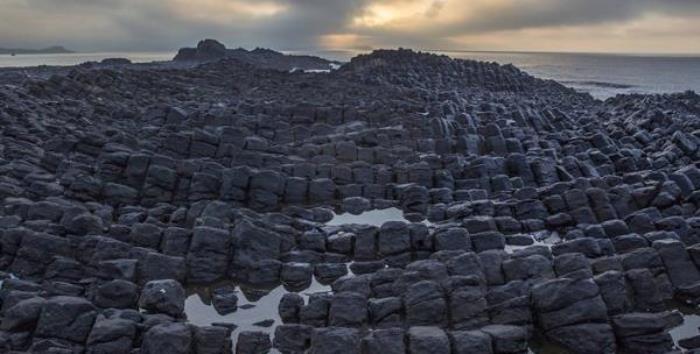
585	338
507	339
175	338
23	315
428	340
212	340
292	338
393	238
337	340
384	341
467	342
348	309
111	336
253	342
163	296
224	300
289	307
66	317
355	205
425	304
118	293
208	257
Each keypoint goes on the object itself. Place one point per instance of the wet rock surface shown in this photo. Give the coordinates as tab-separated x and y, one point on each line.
403	203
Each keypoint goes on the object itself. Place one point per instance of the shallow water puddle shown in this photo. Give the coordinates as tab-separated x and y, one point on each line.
253	306
541	238
688	329
376	217
690	325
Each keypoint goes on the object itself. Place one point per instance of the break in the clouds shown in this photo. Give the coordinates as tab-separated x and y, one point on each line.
566	25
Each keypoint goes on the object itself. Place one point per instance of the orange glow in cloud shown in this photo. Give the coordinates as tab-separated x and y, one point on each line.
223	11
536	25
396	13
340	41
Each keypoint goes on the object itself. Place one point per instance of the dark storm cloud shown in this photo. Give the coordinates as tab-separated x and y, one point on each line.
306	20
163	24
525	14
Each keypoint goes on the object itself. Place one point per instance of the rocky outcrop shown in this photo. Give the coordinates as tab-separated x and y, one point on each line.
210	50
529	211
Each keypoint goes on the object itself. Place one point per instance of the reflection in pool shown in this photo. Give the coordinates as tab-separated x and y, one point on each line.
690	325
376	217
541	238
201	312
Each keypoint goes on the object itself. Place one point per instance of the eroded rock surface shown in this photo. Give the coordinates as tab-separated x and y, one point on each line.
531	210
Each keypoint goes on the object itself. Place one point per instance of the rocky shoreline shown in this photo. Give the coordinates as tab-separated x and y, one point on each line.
530	212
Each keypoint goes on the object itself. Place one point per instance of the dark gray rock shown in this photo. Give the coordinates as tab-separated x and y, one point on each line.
329	272
425	304
116	294
507	339
348	309
66	317
613	290
335	340
253	244
224	300
156	266
250	342
289	307
111	336
424	340
355	205
385	312
679	267
465	342
163	296
452	239
488	241
315	313
297	275
393	238
212	340
173	338
292	338
384	341
208	257
23	315
585	338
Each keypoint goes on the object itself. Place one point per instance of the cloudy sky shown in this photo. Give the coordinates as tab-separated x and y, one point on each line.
646	26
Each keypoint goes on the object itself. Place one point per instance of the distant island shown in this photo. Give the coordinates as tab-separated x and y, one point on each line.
49	50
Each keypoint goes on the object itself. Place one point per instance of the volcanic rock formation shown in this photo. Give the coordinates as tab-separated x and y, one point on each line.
124	187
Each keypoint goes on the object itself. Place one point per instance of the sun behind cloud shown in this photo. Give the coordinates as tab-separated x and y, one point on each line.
552	25
222	11
397	13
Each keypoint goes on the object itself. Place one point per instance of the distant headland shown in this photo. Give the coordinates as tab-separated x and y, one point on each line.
49	50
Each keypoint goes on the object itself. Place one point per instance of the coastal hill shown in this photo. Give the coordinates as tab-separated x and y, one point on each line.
49	50
209	50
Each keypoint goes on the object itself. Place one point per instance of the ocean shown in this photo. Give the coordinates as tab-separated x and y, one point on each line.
601	75
604	75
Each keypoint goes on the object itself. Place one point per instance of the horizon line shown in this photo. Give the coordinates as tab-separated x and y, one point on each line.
369	50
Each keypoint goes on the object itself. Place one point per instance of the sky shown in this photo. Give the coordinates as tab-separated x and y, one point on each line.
619	26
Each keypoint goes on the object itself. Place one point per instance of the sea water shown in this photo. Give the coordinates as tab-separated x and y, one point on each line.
601	75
